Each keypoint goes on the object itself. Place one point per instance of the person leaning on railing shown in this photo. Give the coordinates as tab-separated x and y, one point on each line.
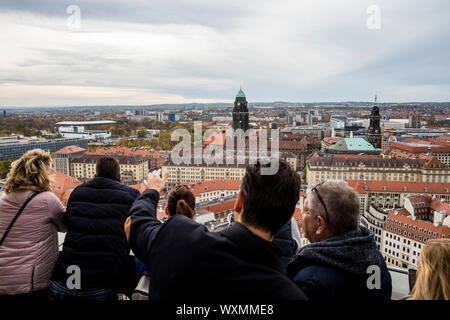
241	262
181	200
29	238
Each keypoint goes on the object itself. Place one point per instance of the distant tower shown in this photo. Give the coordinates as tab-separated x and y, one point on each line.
240	112
374	135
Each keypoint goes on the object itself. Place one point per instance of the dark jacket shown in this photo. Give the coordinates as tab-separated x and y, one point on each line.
95	239
284	239
187	262
338	268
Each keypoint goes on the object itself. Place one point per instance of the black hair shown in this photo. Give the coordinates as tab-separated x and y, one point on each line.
269	200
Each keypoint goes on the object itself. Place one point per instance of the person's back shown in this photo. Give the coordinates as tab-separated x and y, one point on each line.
30	249
188	262
95	240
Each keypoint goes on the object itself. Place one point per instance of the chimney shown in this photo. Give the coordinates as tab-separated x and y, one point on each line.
438	218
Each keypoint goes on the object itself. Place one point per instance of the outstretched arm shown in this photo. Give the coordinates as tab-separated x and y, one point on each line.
142	226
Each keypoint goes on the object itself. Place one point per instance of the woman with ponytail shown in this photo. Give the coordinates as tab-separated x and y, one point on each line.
30	217
181	200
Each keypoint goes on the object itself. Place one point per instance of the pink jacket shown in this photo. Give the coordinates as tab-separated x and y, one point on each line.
29	252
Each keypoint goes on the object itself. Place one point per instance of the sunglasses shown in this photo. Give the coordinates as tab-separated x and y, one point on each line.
321	200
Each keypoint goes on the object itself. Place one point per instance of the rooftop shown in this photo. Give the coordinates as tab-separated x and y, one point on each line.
214	185
69	149
84	123
240	94
352	144
362	186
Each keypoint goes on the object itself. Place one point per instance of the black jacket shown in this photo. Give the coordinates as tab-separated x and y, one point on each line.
187	262
284	240
95	239
340	268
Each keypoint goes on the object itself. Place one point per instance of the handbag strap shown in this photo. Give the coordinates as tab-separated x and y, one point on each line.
17	216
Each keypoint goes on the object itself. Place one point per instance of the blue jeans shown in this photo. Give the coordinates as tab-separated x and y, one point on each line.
60	292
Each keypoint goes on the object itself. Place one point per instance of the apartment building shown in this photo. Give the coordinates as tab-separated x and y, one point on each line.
62	156
191	173
155	158
134	169
413	148
392	194
12	147
407	230
214	189
426	168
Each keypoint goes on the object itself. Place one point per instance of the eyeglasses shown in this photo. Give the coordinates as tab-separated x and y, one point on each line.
321	200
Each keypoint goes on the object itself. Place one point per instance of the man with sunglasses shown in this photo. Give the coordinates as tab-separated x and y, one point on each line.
343	260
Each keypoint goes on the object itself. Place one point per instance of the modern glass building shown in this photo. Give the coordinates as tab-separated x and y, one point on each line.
14	148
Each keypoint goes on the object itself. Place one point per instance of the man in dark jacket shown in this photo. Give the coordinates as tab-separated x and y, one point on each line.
189	263
343	260
95	242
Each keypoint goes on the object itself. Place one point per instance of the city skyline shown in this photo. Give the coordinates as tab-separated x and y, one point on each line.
136	53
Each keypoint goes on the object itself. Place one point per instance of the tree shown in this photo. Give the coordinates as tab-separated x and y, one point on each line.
141	134
5	166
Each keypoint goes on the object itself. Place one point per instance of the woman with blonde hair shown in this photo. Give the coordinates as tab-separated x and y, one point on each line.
30	217
433	272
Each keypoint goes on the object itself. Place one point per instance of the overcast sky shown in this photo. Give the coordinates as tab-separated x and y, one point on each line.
148	52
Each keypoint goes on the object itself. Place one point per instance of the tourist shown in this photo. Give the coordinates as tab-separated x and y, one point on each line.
343	260
95	241
29	238
241	262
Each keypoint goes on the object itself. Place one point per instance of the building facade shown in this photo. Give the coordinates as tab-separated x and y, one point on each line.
13	148
321	167
407	230
134	169
61	158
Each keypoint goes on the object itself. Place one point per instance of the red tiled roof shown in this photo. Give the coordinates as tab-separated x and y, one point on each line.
399	186
220	206
418	148
331	140
429	202
429	161
126	152
69	149
63	186
404	218
214	185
